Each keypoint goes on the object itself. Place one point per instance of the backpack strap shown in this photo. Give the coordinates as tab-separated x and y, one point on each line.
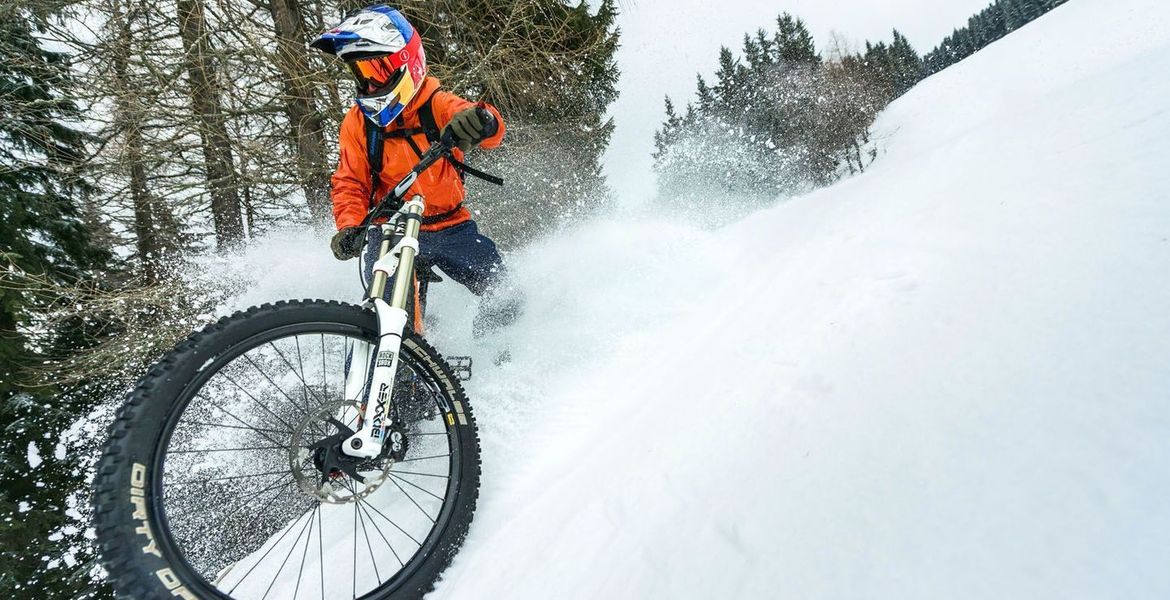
426	117
402	132
377	136
463	167
375	141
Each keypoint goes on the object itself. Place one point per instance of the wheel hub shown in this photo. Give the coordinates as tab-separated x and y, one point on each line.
323	471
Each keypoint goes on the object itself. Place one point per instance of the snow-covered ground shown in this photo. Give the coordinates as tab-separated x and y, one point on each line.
664	43
946	378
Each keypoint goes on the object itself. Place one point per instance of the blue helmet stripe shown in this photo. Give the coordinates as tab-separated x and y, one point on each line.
401	23
340	39
404	27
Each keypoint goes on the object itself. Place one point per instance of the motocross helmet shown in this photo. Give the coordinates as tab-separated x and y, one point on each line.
385	54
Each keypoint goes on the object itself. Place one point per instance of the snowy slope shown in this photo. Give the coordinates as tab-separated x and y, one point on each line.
664	43
947	378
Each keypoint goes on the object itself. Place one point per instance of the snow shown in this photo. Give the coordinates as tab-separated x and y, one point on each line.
664	43
34	456
944	378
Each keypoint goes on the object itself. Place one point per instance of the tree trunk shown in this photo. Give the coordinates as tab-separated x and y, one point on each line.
129	117
216	144
307	126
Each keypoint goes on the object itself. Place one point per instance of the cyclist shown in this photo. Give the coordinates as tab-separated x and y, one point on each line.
399	112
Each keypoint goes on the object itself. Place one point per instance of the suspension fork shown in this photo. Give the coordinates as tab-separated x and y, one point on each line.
375	419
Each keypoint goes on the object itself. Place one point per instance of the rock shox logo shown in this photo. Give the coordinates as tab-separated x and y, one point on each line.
385	359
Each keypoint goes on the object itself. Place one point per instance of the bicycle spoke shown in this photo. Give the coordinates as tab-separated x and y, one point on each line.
304	384
308	525
366	511
420	458
353	578
419	474
366	534
390	521
247	425
265	555
321	551
222	426
278	388
227	478
324	377
274	486
300	361
259	403
241	449
305	552
411	498
299	375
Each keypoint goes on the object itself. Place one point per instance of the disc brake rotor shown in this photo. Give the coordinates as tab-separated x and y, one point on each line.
319	466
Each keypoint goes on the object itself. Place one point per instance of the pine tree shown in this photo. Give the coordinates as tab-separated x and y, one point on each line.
994	22
775	122
987	26
730	88
906	65
794	43
1012	17
42	230
666	137
549	67
703	92
751	52
1032	9
879	63
45	240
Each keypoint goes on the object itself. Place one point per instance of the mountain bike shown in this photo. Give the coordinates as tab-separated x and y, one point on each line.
299	450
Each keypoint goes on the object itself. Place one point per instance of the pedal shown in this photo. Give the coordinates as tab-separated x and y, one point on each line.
461	365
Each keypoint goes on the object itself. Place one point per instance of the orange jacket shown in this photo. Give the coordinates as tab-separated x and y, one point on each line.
440	185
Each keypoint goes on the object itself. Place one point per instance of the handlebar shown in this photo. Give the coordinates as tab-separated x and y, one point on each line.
394	200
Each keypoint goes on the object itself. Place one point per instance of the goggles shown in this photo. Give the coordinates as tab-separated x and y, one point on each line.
374	74
388	102
377	73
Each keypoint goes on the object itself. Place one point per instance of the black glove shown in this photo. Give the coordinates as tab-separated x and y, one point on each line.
347	243
471	126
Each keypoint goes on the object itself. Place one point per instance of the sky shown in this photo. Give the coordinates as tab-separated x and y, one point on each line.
665	43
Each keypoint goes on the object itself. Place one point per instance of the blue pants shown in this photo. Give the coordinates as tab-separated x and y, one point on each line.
460	251
469	258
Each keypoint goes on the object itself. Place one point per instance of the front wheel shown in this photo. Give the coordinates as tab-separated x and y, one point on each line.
220	478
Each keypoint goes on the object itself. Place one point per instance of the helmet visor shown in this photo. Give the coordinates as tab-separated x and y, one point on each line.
374	74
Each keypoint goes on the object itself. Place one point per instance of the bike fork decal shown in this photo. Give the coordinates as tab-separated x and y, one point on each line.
380	411
367	441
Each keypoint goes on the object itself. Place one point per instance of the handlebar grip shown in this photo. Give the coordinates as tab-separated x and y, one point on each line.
447	139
